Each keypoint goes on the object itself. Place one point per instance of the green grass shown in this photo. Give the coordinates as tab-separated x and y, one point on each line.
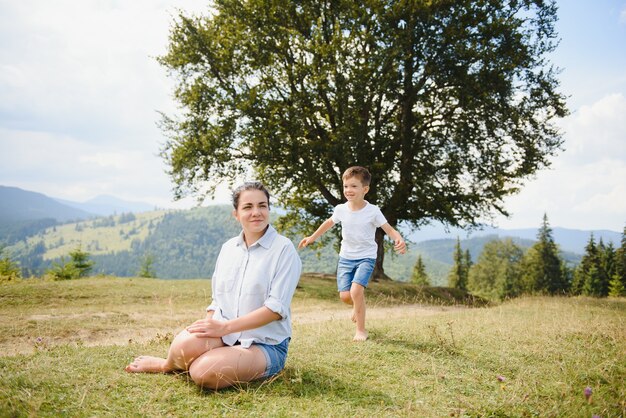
64	345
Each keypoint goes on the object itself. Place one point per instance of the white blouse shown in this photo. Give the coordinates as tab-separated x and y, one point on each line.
245	279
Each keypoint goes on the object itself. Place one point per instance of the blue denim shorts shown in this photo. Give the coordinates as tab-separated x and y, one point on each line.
275	357
354	271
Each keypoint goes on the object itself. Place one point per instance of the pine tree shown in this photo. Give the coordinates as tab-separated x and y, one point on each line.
617	286
9	269
81	261
543	266
607	265
419	275
458	274
147	269
582	274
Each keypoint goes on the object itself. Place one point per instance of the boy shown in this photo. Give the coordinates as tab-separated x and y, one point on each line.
357	257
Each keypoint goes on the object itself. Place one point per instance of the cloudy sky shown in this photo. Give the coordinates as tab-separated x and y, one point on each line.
80	90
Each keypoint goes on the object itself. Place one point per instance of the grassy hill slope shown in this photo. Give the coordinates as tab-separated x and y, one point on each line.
527	357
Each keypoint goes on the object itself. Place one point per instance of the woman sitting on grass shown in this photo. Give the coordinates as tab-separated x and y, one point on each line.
247	329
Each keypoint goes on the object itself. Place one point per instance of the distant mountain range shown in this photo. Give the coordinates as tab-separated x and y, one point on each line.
572	240
105	205
21	205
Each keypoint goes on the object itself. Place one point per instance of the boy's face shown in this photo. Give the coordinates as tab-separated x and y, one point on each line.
353	189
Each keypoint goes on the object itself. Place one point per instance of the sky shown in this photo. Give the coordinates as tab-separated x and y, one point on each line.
81	92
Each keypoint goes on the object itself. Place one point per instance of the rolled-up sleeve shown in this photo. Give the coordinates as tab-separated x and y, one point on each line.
284	282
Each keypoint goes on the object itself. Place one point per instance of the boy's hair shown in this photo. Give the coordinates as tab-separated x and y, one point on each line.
249	185
359	172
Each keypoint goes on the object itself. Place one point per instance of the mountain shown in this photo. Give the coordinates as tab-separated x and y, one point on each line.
568	240
106	205
22	205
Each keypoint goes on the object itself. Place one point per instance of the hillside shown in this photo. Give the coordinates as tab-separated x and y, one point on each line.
24	213
185	244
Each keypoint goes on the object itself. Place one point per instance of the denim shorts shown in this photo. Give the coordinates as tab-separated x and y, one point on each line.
354	271
275	357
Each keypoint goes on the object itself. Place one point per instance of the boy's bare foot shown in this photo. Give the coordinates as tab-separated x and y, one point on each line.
147	364
360	336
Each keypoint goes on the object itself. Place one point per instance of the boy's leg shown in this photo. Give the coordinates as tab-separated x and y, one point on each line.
357	292
345	274
361	279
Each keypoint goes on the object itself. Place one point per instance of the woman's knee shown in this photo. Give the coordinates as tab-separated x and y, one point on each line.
208	375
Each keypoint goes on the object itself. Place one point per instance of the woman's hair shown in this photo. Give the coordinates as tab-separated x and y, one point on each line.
249	185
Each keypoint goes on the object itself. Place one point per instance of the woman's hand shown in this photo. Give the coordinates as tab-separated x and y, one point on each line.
206	328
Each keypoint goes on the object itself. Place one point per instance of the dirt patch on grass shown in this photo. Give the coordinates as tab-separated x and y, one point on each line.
164	326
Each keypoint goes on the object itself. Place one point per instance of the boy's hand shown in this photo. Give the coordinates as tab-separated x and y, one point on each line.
400	246
305	241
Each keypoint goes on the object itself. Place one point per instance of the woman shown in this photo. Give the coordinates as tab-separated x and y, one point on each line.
246	332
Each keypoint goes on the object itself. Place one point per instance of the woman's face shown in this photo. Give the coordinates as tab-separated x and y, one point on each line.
253	213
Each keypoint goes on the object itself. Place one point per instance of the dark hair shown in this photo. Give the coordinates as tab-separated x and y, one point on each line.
359	172
249	185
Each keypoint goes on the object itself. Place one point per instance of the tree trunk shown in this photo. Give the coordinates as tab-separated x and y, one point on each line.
379	272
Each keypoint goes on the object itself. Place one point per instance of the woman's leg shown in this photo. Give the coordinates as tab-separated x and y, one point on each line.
185	348
357	293
226	366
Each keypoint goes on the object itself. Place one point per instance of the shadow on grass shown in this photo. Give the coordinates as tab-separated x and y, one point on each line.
298	383
439	342
316	384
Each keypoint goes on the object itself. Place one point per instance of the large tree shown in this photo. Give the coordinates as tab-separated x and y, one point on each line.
450	104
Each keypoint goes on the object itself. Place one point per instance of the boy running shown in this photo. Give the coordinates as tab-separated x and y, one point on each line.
357	257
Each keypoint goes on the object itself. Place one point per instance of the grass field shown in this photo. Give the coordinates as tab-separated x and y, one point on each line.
431	353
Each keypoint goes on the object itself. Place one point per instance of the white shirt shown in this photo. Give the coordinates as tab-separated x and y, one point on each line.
245	279
358	230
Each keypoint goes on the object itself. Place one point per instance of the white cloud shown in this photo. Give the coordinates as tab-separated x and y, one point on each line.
585	187
622	16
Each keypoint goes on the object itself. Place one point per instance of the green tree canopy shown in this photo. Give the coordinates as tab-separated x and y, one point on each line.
450	104
497	274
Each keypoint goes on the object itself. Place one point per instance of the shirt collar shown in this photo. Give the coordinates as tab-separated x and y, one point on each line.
265	241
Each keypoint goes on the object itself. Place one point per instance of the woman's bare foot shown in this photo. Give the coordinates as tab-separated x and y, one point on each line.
360	336
148	364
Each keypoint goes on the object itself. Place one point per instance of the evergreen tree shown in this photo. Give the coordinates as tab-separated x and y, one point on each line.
497	273
607	267
543	266
419	275
9	269
617	286
458	274
147	268
79	265
587	276
81	261
63	270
